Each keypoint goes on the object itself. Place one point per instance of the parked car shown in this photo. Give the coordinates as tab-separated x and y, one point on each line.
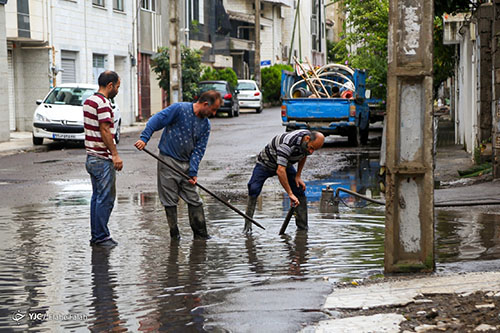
250	96
230	103
59	116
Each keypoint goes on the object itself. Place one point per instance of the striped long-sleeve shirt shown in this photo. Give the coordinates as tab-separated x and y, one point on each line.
284	149
97	109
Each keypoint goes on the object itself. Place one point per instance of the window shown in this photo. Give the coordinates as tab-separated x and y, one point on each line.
196	11
118	5
148	5
98	65
23	18
99	3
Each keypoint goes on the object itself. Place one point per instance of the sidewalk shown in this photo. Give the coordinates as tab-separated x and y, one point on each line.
21	142
395	303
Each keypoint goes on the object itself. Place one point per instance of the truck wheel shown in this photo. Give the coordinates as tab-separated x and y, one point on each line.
353	137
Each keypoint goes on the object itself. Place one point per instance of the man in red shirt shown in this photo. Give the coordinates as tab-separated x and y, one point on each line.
102	156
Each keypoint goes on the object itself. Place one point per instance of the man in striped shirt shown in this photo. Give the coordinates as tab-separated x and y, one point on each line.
278	158
102	156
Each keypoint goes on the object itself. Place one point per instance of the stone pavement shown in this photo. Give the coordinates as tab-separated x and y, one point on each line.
397	293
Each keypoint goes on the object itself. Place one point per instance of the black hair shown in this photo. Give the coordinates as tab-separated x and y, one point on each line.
313	136
210	96
106	77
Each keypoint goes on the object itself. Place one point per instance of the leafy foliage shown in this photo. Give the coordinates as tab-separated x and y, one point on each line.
364	44
444	62
271	82
191	69
226	74
336	54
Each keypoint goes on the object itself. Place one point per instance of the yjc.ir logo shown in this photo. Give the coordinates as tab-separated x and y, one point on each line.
18	316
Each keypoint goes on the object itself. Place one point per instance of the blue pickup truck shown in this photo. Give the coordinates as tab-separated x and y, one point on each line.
340	105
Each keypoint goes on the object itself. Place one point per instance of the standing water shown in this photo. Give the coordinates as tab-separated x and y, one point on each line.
51	279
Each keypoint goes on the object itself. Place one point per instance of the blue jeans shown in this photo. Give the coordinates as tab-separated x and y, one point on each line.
103	177
260	175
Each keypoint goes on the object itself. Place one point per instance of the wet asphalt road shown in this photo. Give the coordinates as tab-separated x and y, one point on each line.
51	279
231	283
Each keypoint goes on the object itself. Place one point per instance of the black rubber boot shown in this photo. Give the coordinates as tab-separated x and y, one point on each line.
301	214
197	222
251	203
171	212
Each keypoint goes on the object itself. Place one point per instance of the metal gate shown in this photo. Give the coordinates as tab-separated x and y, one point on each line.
68	64
11	93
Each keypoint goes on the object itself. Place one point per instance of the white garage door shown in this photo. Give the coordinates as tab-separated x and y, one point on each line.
68	64
12	97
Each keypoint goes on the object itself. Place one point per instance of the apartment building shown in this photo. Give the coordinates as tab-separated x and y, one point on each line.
225	31
64	41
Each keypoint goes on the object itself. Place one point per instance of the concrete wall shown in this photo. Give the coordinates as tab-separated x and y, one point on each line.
4	104
484	37
31	68
467	94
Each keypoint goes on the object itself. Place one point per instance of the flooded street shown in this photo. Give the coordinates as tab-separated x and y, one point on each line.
52	280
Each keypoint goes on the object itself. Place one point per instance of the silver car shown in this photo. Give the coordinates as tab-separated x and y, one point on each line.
250	96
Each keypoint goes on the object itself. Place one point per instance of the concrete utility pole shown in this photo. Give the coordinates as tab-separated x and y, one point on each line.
257	43
4	76
496	91
175	53
409	230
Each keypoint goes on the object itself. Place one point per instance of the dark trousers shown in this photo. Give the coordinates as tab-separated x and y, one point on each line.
261	173
103	178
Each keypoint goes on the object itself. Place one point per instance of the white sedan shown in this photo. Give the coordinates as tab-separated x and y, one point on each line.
249	95
60	115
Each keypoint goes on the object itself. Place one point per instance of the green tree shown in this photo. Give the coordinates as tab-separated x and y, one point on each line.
444	61
364	44
271	82
225	74
191	69
336	54
367	36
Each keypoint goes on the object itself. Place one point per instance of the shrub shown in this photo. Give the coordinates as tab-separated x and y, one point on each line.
226	74
271	82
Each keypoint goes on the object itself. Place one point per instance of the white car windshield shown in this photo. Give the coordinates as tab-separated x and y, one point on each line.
220	87
246	86
69	96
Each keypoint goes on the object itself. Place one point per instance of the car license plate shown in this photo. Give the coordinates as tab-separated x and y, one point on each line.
64	136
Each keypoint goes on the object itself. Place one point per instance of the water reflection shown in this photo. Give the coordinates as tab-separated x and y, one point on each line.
104	315
297	253
149	283
466	235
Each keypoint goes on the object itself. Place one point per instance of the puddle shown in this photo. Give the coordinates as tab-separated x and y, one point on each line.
146	283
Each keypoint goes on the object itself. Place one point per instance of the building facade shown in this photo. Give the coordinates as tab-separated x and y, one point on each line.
64	41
